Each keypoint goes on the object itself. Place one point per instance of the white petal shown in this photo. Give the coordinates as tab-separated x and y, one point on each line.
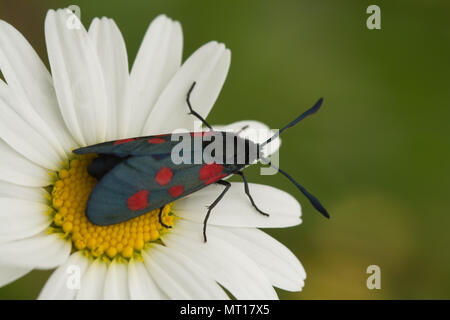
10	190
77	77
16	169
112	54
42	252
20	219
116	282
140	283
210	288
171	287
158	59
226	264
178	276
9	274
30	80
208	67
255	131
235	209
279	264
93	281
19	133
65	282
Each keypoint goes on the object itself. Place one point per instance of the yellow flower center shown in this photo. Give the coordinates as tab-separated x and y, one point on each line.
69	197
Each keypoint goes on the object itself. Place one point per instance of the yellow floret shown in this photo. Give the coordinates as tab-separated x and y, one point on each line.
69	197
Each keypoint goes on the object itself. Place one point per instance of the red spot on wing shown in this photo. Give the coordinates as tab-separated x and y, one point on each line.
156	140
164	176
201	134
138	201
196	134
123	141
212	172
176	191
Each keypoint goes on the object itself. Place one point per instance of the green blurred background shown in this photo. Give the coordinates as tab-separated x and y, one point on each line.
377	154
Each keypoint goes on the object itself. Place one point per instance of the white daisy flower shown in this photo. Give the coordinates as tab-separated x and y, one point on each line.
90	97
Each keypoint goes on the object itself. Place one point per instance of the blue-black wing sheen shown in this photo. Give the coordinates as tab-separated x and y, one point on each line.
160	144
140	184
137	175
148	145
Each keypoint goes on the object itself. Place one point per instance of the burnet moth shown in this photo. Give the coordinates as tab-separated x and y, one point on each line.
137	175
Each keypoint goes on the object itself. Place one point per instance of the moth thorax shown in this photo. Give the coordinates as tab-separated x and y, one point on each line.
228	148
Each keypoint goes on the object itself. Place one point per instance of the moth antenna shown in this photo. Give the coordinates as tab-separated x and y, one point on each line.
308	112
314	201
242	129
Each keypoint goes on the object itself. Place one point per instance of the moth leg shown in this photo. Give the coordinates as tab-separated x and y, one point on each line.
247	191
227	186
160	218
188	97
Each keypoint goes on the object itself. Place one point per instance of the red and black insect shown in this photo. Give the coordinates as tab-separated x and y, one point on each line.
137	175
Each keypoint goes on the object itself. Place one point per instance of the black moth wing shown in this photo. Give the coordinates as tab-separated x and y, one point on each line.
140	184
140	146
161	145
